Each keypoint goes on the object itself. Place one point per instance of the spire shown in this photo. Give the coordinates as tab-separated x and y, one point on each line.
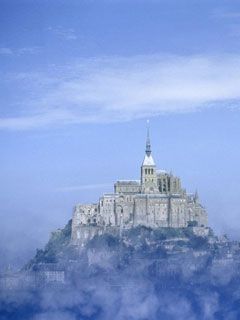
148	143
148	159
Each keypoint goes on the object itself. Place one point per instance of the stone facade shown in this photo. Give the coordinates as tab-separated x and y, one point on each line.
156	200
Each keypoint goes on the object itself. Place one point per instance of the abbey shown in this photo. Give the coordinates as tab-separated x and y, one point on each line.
156	200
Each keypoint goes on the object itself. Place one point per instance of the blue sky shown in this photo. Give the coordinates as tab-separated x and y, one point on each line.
78	81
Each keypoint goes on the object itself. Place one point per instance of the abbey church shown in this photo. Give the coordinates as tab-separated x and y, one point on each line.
156	200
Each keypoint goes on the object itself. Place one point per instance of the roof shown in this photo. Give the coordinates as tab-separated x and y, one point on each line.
159	195
128	182
161	171
148	161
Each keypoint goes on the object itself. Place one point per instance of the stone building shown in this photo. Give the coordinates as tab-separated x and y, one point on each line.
156	200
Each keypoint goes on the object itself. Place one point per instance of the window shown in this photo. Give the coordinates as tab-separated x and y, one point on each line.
160	185
145	171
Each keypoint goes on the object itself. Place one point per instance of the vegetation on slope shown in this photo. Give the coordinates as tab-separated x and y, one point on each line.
56	247
140	239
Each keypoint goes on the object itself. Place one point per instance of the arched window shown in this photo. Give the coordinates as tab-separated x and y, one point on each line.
145	171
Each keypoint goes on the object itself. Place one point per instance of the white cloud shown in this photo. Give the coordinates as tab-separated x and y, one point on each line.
19	51
64	33
114	89
28	50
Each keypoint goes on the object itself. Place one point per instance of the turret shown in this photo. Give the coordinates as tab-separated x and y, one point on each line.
196	197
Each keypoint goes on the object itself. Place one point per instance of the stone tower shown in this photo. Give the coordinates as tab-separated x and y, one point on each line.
148	169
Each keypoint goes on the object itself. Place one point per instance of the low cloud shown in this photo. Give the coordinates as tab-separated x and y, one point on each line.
130	288
115	89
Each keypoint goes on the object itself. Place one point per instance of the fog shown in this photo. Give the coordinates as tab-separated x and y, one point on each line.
123	282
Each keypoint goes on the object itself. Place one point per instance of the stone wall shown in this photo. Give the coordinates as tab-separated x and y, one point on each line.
157	201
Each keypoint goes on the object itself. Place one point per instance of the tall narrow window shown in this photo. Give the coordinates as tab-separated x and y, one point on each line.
160	185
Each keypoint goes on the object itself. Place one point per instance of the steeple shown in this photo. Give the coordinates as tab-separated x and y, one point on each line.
148	169
148	159
148	143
